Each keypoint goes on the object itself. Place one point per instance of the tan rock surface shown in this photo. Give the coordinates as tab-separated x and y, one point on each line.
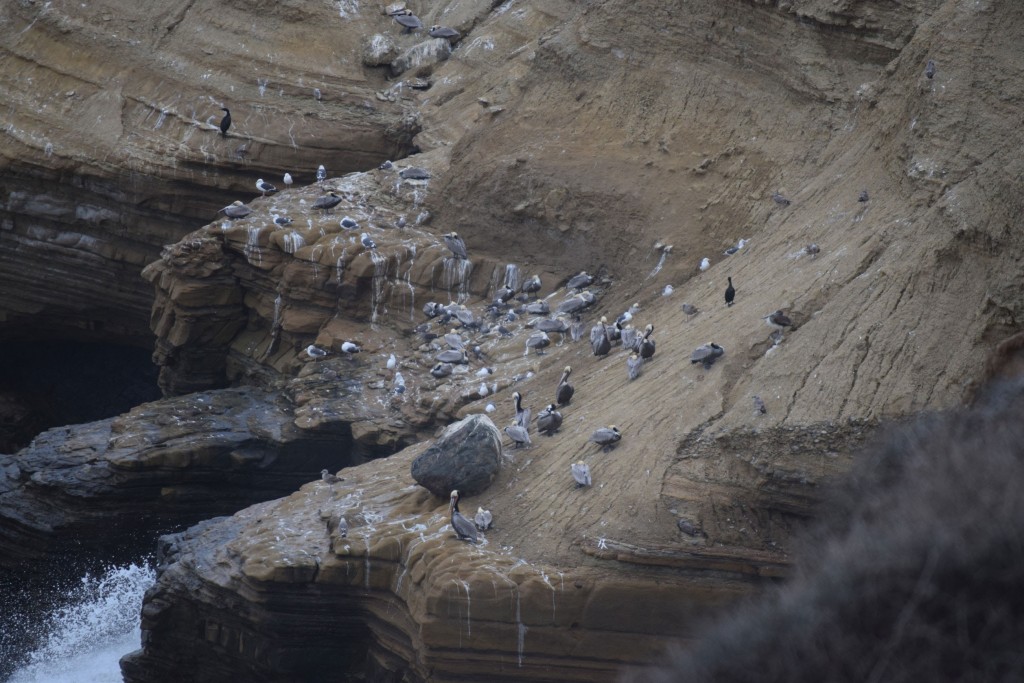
562	137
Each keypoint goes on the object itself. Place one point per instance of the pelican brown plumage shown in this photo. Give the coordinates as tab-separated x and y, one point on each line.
549	420
463	528
564	392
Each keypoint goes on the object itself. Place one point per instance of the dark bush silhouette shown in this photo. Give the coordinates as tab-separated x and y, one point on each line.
916	573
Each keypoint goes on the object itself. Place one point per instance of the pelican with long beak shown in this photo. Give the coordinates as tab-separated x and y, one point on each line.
464	529
565	390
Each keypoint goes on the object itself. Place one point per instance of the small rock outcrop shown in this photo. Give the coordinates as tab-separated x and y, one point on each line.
467	457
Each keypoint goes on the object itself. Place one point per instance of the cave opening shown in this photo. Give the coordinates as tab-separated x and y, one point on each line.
46	384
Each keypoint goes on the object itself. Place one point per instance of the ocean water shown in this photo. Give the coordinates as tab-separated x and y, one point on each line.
82	640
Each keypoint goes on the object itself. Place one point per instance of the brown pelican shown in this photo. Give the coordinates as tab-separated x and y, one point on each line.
538	341
614	332
706	354
630	337
465	316
531	285
576	303
581	473
576	330
483	519
730	293
327	202
265	187
225	122
441	370
538	308
599	341
552	325
580	281
454	340
520	435
646	345
455	245
606	436
329	478
549	420
408	20
236	210
463	528
779	321
414	173
759	405
449	34
522	414
633	365
564	392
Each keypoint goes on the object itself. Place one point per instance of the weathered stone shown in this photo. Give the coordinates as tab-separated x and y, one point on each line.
421	56
379	50
467	457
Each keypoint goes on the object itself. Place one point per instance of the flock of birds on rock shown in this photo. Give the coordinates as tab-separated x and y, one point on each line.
503	311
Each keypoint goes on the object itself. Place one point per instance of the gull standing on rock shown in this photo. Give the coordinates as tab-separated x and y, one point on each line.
288	180
283	221
759	405
321	174
265	187
367	242
464	529
779	321
330	478
350	347
315	352
705	264
348	223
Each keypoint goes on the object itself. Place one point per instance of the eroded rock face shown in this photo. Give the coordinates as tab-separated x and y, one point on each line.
466	457
108	485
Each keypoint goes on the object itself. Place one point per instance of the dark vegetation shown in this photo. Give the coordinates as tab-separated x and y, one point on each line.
916	572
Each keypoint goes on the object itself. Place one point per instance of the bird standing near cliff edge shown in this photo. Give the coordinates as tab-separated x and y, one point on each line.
225	122
730	293
464	529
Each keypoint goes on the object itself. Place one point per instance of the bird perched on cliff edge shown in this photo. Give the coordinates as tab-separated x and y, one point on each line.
288	180
520	435
265	187
327	202
329	478
455	244
367	242
464	529
730	293
321	174
225	122
408	20
522	414
236	209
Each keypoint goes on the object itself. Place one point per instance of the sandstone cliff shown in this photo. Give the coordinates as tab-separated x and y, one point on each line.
565	136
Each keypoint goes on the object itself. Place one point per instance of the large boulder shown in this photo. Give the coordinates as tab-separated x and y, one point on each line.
466	457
